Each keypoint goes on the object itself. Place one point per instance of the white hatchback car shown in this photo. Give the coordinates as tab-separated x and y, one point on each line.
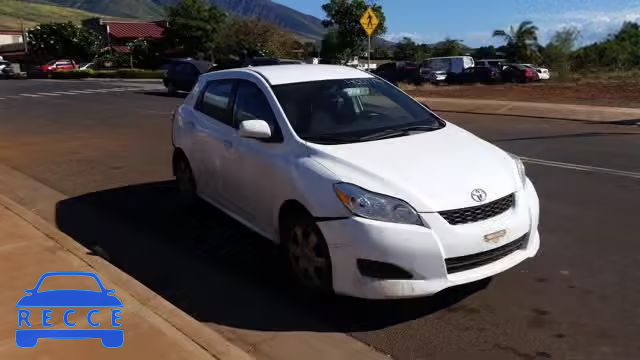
369	193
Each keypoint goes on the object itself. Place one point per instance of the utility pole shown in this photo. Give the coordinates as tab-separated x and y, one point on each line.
24	37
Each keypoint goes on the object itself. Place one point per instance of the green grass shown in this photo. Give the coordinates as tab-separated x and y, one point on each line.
11	11
602	76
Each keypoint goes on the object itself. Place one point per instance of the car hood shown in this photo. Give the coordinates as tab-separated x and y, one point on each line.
69	298
433	171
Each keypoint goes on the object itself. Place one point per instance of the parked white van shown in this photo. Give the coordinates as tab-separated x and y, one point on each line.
435	69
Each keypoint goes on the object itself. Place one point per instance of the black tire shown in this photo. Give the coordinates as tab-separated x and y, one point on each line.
307	254
171	89
184	178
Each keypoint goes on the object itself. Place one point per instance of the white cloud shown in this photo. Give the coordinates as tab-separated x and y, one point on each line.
593	25
395	37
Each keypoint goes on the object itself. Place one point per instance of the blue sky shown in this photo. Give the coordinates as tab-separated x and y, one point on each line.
474	20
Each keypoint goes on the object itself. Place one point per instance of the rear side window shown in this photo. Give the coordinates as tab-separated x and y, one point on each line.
215	100
186	69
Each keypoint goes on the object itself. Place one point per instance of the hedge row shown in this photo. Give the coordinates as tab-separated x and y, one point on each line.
118	74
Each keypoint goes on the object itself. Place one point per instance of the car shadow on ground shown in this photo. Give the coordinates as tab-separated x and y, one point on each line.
217	270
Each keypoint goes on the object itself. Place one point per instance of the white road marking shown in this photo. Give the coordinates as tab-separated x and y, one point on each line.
70	92
582	167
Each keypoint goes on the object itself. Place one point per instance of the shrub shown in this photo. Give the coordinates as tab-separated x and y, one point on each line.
108	74
139	74
75	74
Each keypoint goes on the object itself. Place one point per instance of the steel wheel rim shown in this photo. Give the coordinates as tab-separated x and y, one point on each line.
309	266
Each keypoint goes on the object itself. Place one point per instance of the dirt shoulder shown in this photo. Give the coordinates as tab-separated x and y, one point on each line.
610	93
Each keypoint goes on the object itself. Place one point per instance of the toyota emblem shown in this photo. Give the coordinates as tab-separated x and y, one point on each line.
478	195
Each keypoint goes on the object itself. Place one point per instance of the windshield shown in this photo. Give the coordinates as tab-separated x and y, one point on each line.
69	282
350	110
438	64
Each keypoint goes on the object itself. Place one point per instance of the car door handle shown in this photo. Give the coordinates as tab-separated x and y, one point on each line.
227	144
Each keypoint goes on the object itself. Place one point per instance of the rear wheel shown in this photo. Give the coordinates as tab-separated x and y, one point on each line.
307	253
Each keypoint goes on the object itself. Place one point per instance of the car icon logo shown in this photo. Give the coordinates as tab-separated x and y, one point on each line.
478	195
70	299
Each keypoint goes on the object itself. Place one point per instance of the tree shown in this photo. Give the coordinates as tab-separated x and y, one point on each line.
618	52
485	52
348	38
146	54
63	40
245	38
448	47
194	26
406	49
423	51
332	50
557	53
379	51
521	42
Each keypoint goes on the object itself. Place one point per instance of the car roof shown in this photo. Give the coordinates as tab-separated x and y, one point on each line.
202	65
297	73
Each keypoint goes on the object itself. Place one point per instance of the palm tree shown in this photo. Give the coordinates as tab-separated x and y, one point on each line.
522	42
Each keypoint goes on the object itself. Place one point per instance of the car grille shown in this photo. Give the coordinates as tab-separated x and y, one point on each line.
478	213
467	262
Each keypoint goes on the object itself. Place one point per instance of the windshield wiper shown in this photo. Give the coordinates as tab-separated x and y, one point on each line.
331	139
395	132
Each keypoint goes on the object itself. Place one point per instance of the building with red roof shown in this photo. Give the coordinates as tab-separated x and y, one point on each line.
118	34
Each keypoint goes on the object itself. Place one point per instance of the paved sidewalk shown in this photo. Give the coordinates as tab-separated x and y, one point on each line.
532	109
152	328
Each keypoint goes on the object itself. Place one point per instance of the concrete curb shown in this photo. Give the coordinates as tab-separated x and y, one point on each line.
207	339
586	113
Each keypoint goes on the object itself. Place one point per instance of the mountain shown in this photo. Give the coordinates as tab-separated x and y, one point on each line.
306	26
302	24
141	9
12	11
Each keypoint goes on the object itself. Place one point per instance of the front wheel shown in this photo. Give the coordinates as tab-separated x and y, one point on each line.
171	89
185	179
307	254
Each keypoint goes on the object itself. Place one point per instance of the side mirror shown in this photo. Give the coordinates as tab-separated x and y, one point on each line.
28	291
109	291
255	129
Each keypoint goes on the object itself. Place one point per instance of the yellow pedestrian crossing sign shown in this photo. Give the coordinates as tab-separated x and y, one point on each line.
369	21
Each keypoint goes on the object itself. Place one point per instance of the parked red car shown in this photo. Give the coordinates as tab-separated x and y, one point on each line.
518	73
59	65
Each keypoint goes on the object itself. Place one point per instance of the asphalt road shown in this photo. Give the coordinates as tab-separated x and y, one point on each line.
109	152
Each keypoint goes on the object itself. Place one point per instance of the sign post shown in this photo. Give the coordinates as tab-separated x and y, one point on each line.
369	22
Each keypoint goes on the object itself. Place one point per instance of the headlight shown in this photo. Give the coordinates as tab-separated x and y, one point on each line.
376	206
520	166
